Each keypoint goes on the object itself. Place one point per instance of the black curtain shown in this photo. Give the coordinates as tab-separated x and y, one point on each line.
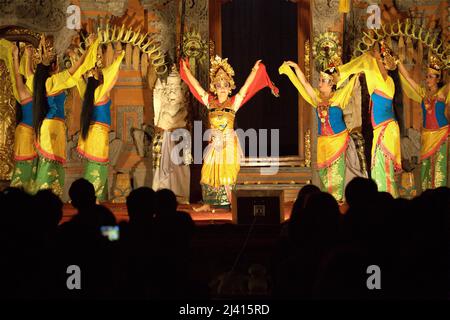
267	30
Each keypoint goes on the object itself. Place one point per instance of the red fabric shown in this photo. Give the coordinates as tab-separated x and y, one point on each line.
185	79
261	81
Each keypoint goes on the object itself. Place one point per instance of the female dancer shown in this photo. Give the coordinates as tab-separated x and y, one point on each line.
221	162
434	153
337	160
48	113
386	152
95	121
24	154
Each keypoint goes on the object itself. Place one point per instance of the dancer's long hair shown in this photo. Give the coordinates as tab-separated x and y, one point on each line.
88	106
40	103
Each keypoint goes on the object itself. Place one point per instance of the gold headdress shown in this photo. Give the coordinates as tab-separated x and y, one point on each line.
220	71
435	65
46	51
388	58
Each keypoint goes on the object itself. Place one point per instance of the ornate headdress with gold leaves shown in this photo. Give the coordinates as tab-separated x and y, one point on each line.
46	51
388	58
331	72
435	65
220	71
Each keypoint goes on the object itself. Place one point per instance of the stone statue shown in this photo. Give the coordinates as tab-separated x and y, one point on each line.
170	109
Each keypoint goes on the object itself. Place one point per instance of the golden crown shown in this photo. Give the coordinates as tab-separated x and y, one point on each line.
46	51
435	65
220	70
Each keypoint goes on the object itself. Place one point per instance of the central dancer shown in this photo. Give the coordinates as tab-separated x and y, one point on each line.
221	161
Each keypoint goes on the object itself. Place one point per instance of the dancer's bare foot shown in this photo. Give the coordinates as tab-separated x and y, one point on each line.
203	208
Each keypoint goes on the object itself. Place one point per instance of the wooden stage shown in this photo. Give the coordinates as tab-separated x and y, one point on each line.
219	216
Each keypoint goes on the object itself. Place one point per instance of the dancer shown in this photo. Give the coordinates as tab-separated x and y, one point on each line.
25	156
95	122
386	152
434	153
337	159
48	112
221	162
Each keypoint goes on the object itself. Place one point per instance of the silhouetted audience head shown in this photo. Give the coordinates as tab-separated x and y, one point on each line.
50	208
141	204
82	194
166	203
302	197
360	192
317	222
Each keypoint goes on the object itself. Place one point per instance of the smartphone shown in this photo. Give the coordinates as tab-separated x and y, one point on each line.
110	232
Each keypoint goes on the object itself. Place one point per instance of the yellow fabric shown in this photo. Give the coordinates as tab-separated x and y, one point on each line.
344	6
389	142
432	140
7	56
221	162
409	90
418	96
24	143
110	74
89	62
64	80
340	98
329	148
368	64
52	140
96	145
287	70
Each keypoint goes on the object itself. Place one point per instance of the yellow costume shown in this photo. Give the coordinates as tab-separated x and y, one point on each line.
386	152
95	148
333	136
434	152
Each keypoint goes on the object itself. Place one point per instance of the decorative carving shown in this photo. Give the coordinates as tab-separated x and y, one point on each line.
326	46
308	148
115	7
7	123
429	38
308	60
195	48
170	102
144	42
43	15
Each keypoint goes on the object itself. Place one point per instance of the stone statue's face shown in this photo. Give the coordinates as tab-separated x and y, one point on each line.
173	92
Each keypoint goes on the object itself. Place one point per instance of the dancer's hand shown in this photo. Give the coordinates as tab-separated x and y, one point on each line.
292	64
256	66
15	51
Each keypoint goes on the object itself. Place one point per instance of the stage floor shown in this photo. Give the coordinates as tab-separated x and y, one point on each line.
216	217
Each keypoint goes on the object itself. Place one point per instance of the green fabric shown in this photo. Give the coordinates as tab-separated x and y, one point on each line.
383	173
97	174
333	178
215	196
24	175
434	170
50	175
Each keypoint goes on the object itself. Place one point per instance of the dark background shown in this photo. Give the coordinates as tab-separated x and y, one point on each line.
267	30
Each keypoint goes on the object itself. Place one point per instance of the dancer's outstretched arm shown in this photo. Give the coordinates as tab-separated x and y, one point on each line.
22	90
194	86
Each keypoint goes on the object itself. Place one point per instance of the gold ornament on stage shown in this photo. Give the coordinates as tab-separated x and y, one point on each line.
194	47
327	53
220	70
327	50
146	43
409	30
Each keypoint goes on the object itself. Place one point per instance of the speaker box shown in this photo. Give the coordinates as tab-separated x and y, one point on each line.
263	206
